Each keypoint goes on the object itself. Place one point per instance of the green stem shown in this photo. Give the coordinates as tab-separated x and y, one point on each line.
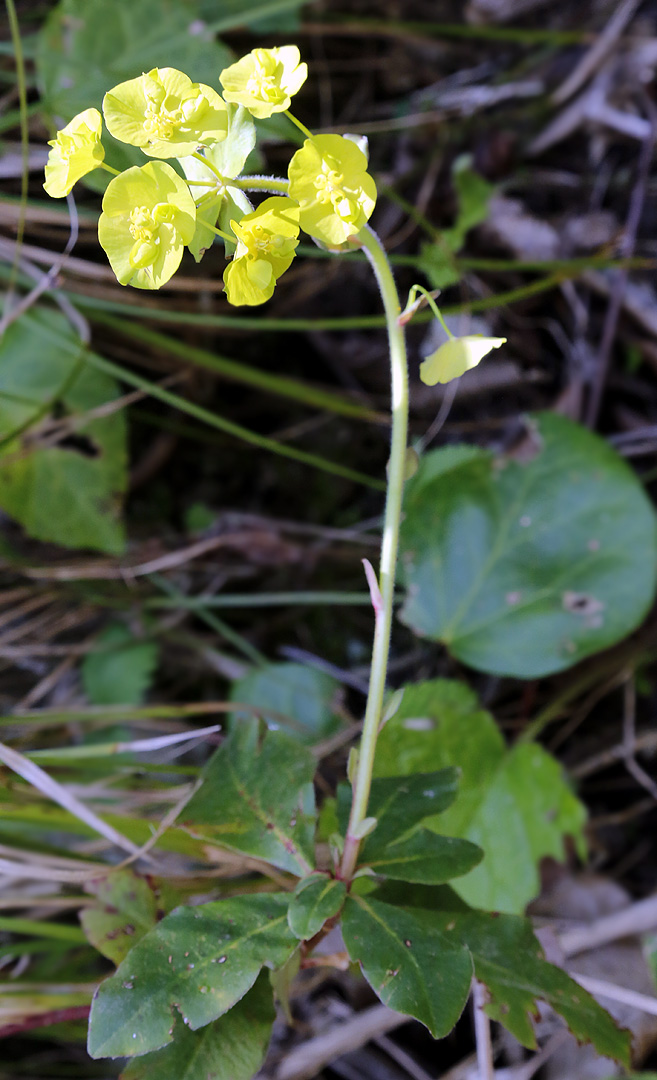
210	165
223	235
261	183
383	594
108	168
302	127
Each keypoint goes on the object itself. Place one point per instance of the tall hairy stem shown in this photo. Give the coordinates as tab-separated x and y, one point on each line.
382	590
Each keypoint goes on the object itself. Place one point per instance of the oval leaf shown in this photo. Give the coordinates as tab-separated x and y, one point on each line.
525	569
412	968
198	962
231	1048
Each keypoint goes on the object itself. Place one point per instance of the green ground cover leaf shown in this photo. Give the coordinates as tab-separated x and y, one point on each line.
514	803
316	899
127	908
197	962
120	672
302	694
412	967
509	960
67	491
257	797
525	569
81	54
230	1048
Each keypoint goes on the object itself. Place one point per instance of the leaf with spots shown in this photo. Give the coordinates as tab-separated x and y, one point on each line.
514	804
525	568
257	798
126	909
509	960
196	963
316	899
413	968
230	1048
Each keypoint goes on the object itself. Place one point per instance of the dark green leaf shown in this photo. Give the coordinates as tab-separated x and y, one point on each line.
301	699
515	804
120	672
525	569
509	960
198	962
316	899
424	857
412	967
230	1048
257	797
66	491
401	803
127	910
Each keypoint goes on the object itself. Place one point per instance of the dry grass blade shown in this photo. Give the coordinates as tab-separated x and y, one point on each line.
59	794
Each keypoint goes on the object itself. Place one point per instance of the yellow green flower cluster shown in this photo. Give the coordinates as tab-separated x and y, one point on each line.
152	212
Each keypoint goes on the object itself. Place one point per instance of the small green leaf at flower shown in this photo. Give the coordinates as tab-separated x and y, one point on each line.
220	201
336	194
148	217
455	357
76	151
267	240
265	80
165	113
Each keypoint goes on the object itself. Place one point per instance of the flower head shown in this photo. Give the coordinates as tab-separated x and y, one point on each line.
336	194
455	357
266	242
148	217
265	80
165	113
76	151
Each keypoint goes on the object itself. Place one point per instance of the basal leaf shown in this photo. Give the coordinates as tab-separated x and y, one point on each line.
230	1048
257	797
515	804
316	899
197	962
64	489
509	960
524	569
410	966
119	673
301	699
127	908
423	857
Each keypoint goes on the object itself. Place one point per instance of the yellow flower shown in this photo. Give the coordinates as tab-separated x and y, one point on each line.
148	217
266	241
265	80
165	113
76	151
336	194
455	357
